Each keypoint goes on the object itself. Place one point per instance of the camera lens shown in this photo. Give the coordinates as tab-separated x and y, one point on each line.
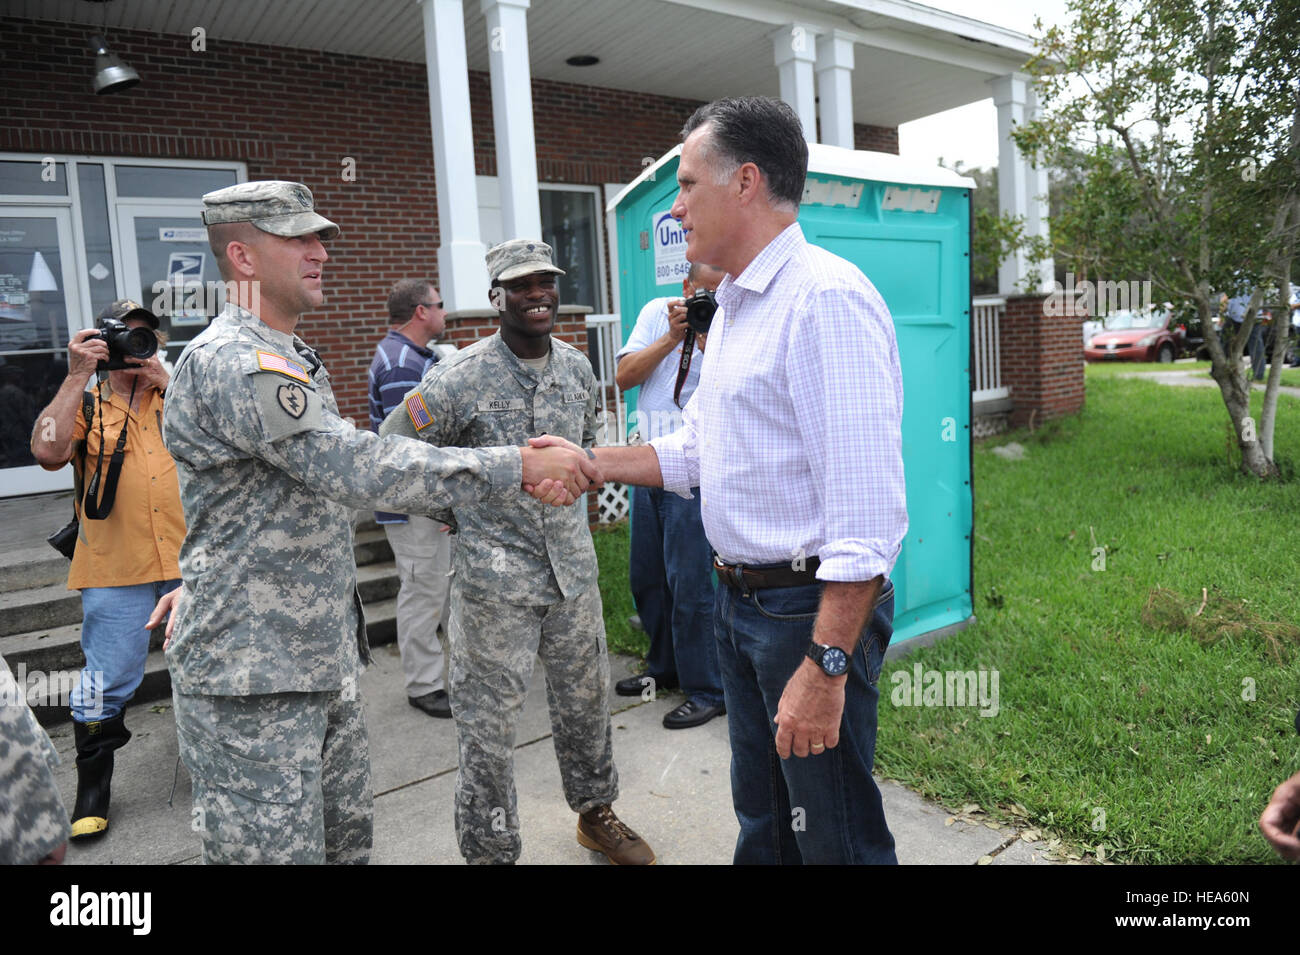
699	311
138	343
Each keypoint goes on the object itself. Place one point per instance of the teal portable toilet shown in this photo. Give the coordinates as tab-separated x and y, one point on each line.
907	227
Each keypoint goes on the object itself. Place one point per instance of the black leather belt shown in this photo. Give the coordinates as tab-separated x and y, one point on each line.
742	578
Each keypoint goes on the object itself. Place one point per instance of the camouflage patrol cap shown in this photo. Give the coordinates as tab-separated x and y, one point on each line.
280	208
510	260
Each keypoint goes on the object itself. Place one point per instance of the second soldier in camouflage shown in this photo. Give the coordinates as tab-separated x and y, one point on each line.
523	579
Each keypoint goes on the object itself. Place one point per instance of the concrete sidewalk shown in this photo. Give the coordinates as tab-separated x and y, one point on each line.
675	789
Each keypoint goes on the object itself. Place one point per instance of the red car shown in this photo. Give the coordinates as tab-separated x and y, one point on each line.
1137	336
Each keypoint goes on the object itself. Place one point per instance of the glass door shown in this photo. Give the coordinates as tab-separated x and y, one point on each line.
40	307
168	268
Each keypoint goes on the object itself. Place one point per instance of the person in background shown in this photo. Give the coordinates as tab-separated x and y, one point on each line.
131	529
670	563
421	546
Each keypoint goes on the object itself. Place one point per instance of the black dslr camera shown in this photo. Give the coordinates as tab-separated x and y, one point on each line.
699	311
123	343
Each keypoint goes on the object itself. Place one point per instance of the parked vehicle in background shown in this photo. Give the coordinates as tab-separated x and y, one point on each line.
1131	335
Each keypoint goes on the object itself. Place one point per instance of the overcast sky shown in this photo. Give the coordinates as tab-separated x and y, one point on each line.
970	133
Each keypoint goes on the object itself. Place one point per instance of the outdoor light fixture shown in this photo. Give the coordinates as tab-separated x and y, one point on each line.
583	59
111	74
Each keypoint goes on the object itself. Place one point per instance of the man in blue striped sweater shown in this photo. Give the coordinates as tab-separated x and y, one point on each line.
421	545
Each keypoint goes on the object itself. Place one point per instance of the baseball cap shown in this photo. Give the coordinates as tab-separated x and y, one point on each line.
124	308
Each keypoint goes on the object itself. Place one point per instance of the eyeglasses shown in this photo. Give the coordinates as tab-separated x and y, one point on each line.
430	304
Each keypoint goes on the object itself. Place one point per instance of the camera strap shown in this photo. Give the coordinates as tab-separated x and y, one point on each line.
684	366
95	507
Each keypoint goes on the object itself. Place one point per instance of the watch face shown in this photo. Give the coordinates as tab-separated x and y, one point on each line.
835	661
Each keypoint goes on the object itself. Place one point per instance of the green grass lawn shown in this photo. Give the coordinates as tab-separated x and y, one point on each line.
1109	369
1111	732
611	553
1104	721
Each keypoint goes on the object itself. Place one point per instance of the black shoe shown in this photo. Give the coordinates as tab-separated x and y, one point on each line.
691	714
435	704
636	685
96	742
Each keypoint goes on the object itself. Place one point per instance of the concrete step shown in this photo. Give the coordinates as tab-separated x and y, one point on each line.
53	605
49	649
377	582
371	547
32	566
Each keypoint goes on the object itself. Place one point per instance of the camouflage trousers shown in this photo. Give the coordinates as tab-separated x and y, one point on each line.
280	778
492	650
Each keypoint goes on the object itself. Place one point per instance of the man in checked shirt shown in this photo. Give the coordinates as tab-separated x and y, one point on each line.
794	440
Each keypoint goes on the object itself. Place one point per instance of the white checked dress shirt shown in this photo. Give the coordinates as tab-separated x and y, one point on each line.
794	433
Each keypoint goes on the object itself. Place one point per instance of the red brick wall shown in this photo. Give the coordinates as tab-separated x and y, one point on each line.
881	139
1042	360
296	114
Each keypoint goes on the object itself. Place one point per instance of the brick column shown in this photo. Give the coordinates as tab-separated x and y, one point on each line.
1042	359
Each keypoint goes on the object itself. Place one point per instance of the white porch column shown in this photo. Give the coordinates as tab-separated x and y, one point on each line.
835	88
462	274
512	116
1040	209
795	49
1019	183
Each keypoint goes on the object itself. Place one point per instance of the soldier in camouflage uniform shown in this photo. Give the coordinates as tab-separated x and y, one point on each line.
33	822
524	579
269	635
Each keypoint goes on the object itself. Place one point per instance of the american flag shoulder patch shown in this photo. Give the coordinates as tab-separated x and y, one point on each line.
419	412
270	361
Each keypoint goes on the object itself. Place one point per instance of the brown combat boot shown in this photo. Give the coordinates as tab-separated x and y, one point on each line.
601	831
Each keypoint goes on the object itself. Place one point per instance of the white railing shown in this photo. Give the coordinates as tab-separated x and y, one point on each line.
604	339
986	376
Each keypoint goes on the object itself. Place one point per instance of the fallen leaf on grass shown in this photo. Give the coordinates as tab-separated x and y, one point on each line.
971	807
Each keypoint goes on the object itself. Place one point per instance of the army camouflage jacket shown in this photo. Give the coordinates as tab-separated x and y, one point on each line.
529	554
33	821
269	478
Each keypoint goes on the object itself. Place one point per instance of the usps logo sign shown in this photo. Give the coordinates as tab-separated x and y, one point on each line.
185	275
669	241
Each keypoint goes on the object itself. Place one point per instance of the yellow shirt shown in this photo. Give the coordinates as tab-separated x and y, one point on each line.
139	541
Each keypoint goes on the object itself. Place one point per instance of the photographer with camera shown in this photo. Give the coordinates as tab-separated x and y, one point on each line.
130	527
670	570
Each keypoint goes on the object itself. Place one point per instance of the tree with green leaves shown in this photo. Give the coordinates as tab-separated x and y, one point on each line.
1182	118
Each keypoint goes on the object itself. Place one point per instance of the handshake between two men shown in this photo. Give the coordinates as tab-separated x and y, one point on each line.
557	471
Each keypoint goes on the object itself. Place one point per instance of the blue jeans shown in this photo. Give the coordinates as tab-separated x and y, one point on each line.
823	809
671	577
116	643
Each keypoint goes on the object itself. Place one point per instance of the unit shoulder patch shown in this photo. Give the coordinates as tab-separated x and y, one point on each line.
285	407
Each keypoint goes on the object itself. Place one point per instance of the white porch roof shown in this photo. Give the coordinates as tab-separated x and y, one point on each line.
912	60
